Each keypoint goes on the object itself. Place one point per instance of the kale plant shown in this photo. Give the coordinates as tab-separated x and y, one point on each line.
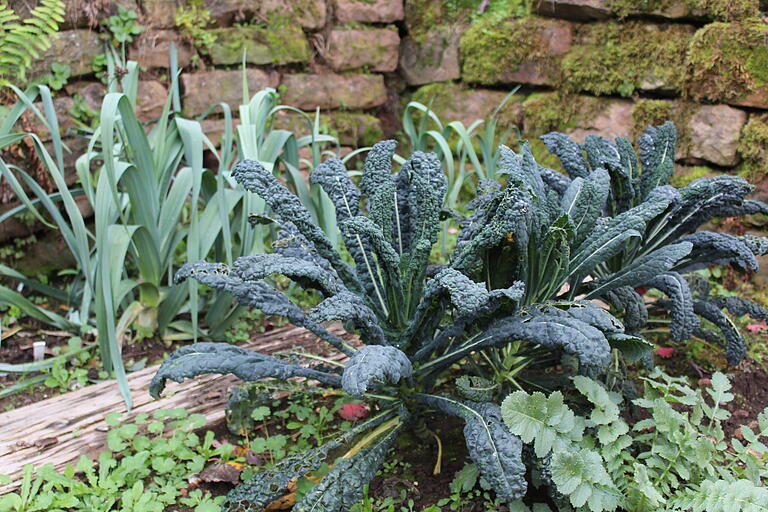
615	224
675	460
415	321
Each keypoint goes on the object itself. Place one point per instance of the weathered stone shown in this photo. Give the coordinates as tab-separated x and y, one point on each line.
150	100
713	134
75	48
226	12
274	45
351	49
152	49
376	11
577	10
62	106
205	89
92	93
613	120
432	58
159	13
453	102
310	14
717	10
350	128
525	51
334	91
728	63
620	58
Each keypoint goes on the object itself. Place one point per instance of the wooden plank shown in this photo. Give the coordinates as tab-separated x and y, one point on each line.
60	429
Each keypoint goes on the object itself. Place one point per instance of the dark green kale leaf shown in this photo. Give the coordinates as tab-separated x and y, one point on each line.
657	154
627	302
496	452
684	320
735	349
568	152
374	363
711	248
343	486
310	275
642	269
255	178
348	307
206	357
256	294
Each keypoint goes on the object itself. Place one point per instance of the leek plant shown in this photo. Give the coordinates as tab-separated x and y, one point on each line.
155	207
464	151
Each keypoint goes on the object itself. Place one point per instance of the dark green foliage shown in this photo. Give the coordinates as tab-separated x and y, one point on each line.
343	486
496	452
201	358
508	293
372	362
644	234
414	322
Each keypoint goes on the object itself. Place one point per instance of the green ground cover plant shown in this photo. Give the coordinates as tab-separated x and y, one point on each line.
678	459
145	470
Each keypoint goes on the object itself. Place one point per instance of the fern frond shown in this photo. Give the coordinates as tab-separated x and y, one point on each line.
23	41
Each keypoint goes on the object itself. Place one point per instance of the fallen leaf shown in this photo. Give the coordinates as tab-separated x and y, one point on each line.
222	472
757	327
253	459
665	352
353	411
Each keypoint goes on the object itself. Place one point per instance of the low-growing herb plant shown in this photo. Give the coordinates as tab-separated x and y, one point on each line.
416	321
146	470
678	459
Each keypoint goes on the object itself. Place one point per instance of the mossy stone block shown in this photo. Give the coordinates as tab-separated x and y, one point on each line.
329	91
526	50
456	102
611	58
273	45
753	147
729	62
714	10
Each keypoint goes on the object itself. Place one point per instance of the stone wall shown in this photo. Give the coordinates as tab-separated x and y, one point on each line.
584	66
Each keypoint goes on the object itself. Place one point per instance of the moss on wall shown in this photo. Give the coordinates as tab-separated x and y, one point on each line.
556	111
753	148
619	58
493	46
438	96
727	61
278	44
422	16
685	175
647	113
720	10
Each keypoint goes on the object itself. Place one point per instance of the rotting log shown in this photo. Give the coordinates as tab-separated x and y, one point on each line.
62	428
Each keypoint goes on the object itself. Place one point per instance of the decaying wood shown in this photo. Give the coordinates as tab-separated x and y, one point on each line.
60	429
